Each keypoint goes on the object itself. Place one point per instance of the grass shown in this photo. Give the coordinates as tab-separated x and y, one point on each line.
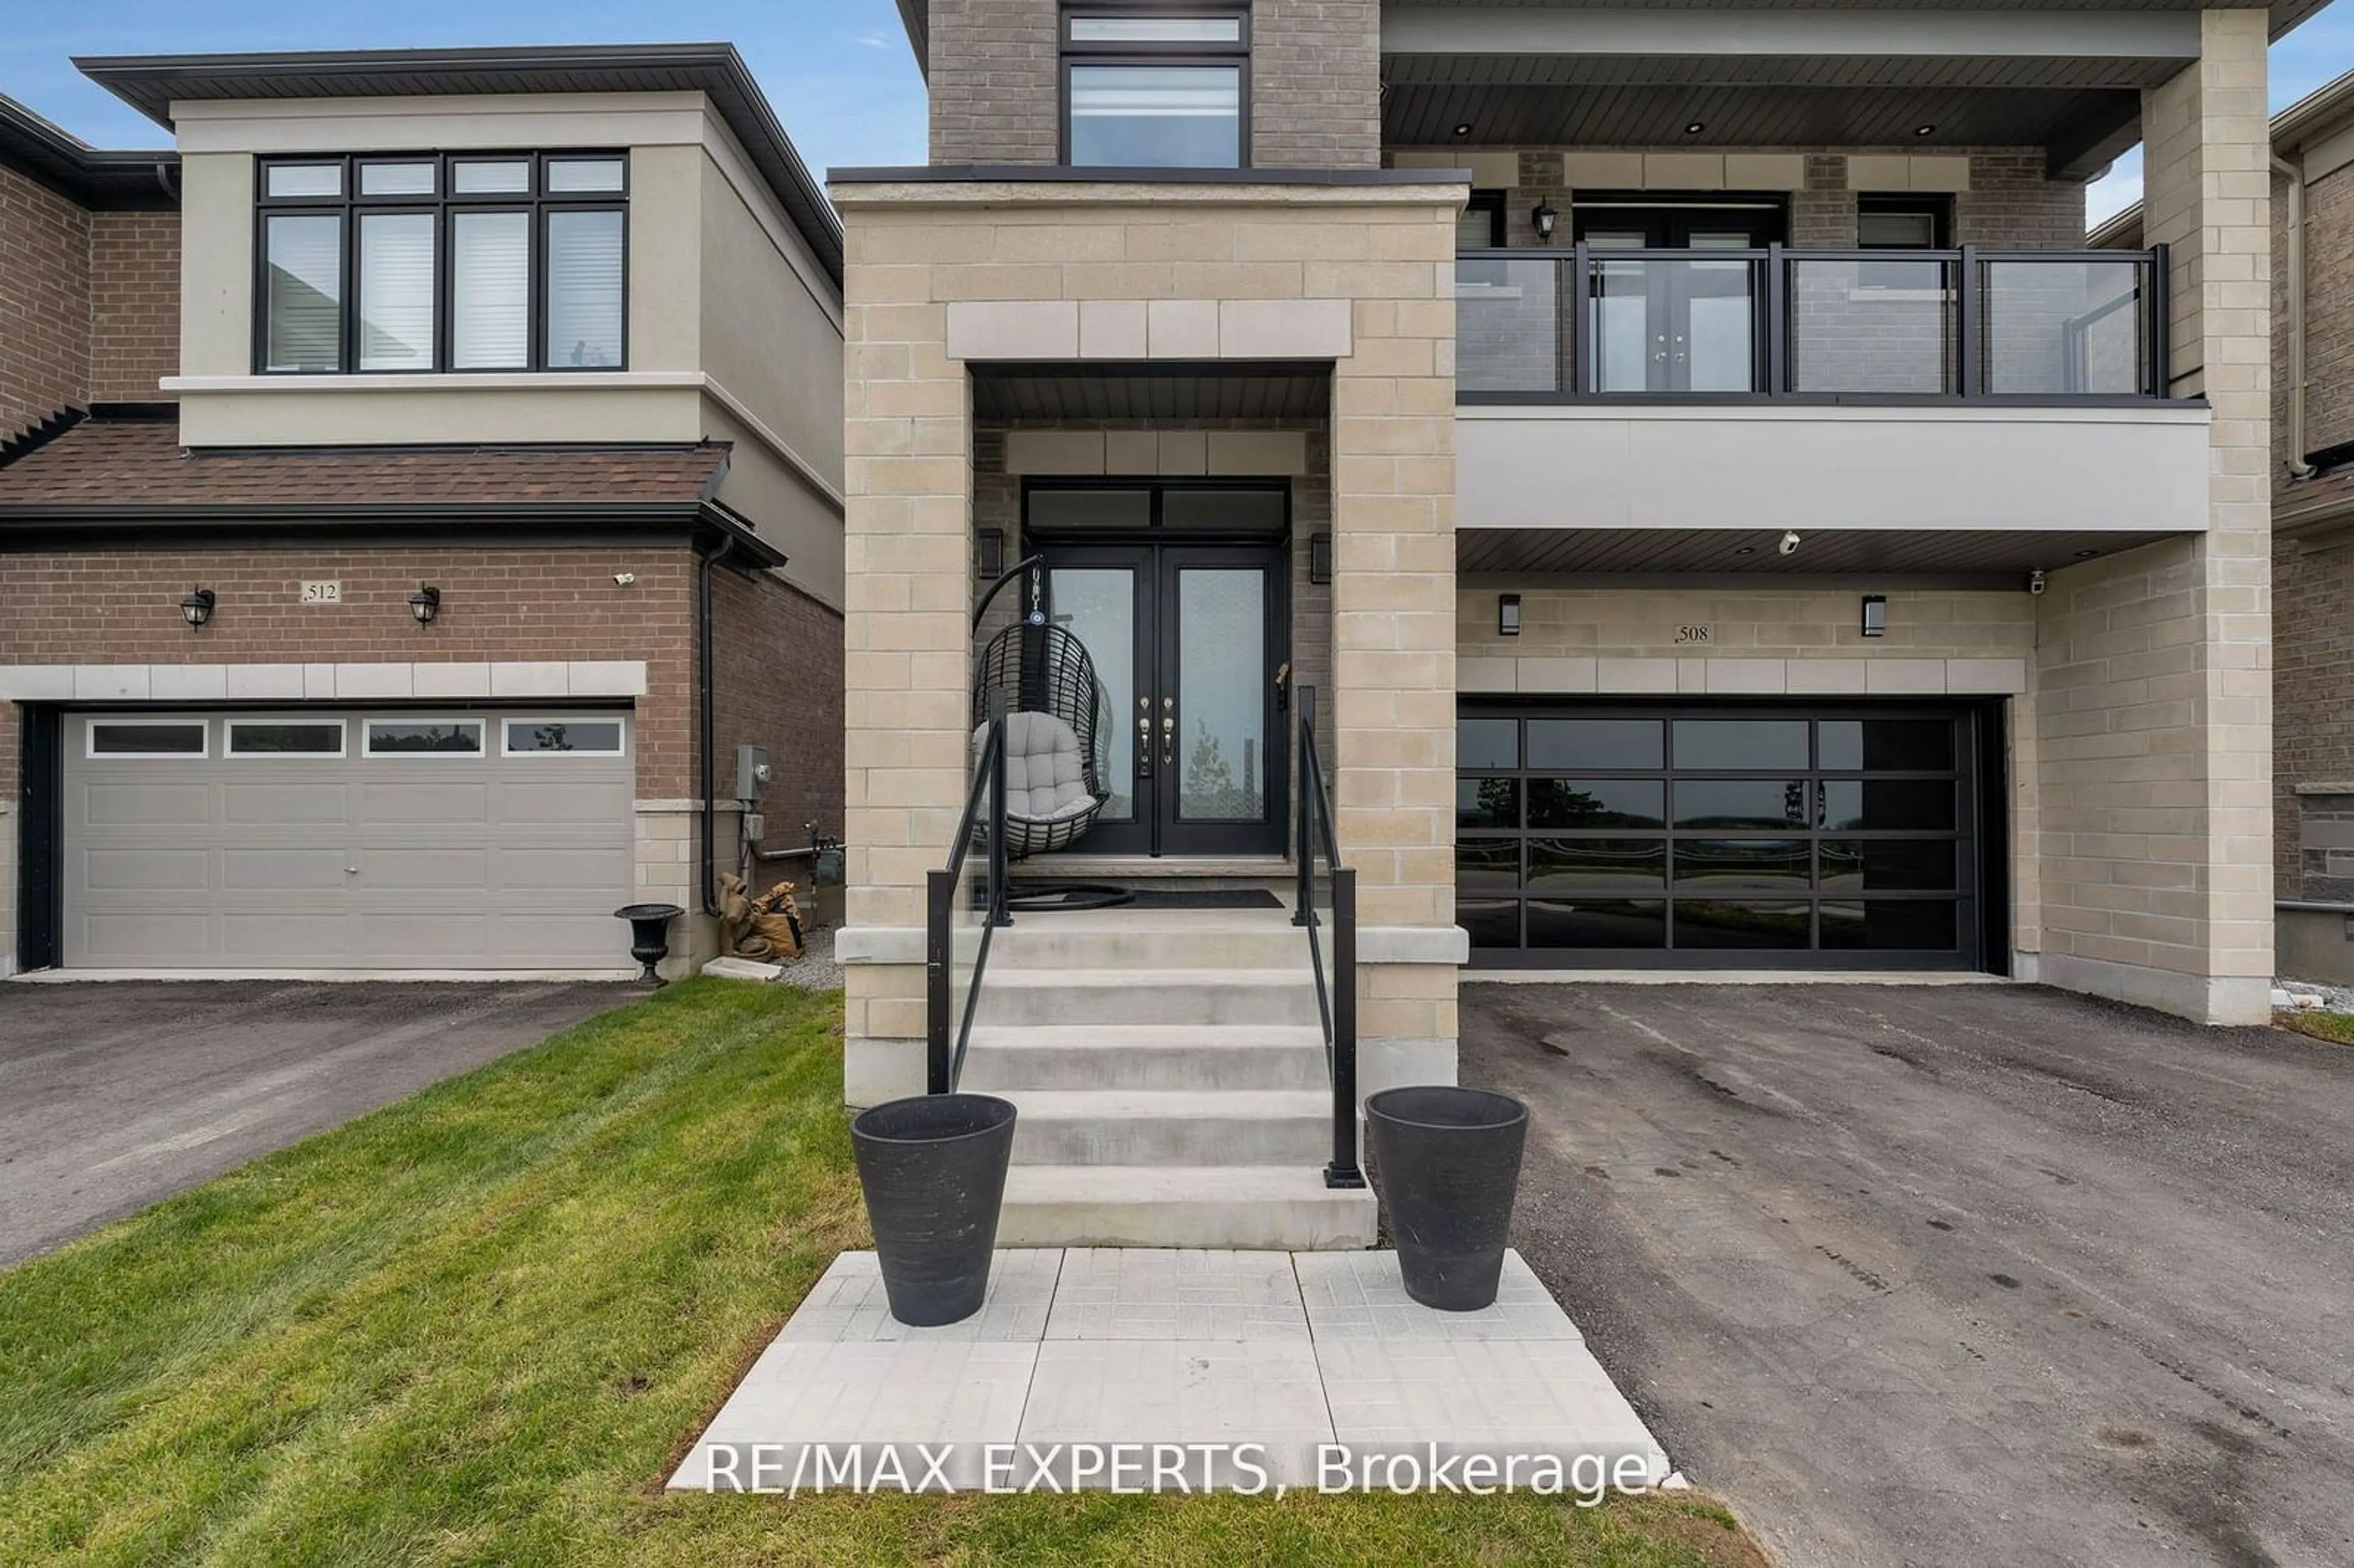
2334	1027
481	1326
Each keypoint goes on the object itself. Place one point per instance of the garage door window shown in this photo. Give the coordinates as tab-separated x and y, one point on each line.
424	737
110	737
1621	837
308	738
594	737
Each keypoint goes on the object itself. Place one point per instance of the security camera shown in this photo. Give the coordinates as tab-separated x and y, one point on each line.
1789	544
2035	582
623	579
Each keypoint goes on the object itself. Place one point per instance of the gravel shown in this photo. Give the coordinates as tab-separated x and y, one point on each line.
816	968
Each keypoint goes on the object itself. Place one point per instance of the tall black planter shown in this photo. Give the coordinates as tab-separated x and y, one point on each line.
933	1169
1447	1162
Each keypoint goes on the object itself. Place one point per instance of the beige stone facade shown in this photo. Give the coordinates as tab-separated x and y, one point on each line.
944	275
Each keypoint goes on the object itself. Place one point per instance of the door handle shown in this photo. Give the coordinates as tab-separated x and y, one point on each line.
1144	739
1283	686
1168	741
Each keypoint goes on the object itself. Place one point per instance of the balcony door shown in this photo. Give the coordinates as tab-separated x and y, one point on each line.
1674	323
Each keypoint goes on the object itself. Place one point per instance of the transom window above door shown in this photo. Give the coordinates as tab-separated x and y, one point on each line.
430	262
1146	87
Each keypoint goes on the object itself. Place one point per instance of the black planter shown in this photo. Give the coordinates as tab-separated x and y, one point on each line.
1447	1162
649	935
933	1169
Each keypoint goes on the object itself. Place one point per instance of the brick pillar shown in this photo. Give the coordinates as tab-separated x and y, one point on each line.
907	438
2154	667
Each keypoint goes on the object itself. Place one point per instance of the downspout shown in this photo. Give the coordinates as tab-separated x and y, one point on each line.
2294	174
705	763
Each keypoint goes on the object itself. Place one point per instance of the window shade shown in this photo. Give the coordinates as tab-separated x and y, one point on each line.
490	291
396	283
1156	116
584	290
305	304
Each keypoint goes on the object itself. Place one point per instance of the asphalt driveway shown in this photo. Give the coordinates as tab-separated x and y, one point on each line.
1953	1275
115	1094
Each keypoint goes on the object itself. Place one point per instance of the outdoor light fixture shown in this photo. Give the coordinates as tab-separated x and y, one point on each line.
199	605
1464	129
1320	557
1508	615
424	603
1696	128
1922	129
1544	218
1875	615
989	553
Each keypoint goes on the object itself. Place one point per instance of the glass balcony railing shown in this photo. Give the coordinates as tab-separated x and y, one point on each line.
1826	325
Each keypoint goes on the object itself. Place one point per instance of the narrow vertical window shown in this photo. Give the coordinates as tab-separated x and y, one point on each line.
396	280
305	288
584	290
490	291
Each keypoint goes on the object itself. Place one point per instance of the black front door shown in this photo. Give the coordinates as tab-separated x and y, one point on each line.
1675	324
1189	641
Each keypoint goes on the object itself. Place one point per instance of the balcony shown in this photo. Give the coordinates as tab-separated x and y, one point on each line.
1877	326
1891	393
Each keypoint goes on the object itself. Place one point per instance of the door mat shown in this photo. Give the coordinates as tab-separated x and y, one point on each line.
1204	899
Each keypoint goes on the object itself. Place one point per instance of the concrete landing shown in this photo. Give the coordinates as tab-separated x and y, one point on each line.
1166	1369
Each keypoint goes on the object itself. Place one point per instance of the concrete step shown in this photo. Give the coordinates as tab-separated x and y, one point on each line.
1281	1207
1171	1128
1016	997
1115	939
1145	1057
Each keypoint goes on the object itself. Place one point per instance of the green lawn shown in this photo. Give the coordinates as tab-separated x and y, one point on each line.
480	1327
2334	1027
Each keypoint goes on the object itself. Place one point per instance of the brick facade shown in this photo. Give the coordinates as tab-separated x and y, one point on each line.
994	81
135	304
777	683
43	303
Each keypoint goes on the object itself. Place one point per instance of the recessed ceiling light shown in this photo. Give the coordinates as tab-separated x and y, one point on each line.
1922	129
2087	554
1746	550
1696	128
1464	129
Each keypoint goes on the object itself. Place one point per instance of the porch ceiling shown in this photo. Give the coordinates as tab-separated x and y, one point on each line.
1274	390
1539	551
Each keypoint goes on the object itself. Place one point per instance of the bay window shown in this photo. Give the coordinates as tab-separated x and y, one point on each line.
1146	88
513	261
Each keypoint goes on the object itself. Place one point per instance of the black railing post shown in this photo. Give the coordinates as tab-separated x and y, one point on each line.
1777	322
1303	900
1344	1170
2160	304
1966	325
940	949
997	913
1574	373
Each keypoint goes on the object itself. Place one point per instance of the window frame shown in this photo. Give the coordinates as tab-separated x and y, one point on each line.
367	753
1493	202
619	721
537	203
1070	54
90	739
1937	207
230	727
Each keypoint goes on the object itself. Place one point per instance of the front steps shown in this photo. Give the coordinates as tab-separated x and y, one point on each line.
1169	1067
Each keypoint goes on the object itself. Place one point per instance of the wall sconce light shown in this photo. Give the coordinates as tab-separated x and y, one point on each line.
1544	218
1508	615
199	605
1875	615
1320	557
989	554
424	603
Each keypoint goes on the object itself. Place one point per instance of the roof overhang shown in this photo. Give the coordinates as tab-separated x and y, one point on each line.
101	181
153	83
1520	557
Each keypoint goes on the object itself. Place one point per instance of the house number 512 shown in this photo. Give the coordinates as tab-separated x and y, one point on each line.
322	593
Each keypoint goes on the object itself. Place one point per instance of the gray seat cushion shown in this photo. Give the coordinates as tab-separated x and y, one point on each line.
1046	773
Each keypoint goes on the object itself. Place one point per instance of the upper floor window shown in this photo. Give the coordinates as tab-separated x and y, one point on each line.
1145	87
442	261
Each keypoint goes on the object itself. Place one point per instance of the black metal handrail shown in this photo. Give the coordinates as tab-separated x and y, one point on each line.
1336	1003
946	1037
1548	350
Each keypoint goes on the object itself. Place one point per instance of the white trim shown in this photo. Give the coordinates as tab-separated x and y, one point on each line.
448	381
229	753
90	739
79	976
534	680
620	721
481	724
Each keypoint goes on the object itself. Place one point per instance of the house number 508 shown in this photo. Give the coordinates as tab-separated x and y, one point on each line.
1695	634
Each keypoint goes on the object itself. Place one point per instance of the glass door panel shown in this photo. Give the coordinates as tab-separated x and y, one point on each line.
1220	755
1718	322
1097	606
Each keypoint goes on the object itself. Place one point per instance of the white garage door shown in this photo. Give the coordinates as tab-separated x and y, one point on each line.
318	840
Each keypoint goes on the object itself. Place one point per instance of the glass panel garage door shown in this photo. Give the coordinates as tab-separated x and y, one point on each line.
1718	838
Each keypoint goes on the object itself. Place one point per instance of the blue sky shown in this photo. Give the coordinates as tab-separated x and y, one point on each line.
838	71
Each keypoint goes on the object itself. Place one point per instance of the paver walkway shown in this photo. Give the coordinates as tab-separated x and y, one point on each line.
1250	1365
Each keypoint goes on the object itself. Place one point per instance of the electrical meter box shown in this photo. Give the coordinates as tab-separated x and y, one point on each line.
751	771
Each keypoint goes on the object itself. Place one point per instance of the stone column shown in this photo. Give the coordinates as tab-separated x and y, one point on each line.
2154	667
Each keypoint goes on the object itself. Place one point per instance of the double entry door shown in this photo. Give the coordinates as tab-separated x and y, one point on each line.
1189	642
1661	324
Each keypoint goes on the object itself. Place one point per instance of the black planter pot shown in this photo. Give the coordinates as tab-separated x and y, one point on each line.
933	1170
649	936
1447	1162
